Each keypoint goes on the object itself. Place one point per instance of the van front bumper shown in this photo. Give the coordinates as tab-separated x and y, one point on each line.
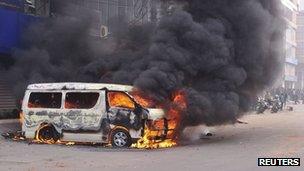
159	129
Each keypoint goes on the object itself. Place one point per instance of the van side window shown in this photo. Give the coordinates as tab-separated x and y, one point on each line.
80	100
120	99
45	100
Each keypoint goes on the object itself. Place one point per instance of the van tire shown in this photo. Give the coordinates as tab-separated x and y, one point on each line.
120	138
47	133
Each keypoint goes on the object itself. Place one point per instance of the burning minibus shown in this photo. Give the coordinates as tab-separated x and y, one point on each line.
90	113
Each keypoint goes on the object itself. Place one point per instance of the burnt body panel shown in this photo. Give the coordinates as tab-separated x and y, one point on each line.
125	117
82	112
65	119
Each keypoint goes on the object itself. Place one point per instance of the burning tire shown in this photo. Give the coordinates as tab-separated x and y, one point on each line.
47	134
120	138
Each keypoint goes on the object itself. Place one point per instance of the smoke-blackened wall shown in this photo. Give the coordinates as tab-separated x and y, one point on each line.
221	53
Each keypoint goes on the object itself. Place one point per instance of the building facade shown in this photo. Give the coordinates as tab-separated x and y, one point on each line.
130	11
17	15
300	49
290	10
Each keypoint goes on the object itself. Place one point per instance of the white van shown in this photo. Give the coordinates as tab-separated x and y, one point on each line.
86	112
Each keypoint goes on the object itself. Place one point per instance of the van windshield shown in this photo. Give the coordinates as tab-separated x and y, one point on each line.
120	99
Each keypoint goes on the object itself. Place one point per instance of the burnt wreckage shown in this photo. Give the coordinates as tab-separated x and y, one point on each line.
85	112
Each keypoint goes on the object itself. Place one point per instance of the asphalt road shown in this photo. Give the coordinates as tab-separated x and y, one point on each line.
232	148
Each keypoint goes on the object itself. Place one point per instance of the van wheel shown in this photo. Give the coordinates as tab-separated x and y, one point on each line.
120	138
47	134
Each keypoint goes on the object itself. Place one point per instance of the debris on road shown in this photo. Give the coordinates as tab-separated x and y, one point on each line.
16	136
241	122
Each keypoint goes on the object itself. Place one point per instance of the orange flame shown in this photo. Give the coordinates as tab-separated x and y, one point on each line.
119	99
155	129
144	101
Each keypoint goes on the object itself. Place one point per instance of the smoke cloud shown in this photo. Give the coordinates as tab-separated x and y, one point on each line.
221	53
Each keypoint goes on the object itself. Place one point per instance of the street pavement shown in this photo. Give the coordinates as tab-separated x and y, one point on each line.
231	148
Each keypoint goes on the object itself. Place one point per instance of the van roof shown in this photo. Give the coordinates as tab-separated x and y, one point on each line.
79	86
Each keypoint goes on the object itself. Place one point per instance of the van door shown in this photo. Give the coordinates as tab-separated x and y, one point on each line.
83	110
122	110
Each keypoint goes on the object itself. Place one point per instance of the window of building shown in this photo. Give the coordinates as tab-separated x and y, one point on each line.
76	100
120	99
45	100
122	8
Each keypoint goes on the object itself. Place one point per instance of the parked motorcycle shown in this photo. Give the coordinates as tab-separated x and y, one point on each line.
276	104
261	106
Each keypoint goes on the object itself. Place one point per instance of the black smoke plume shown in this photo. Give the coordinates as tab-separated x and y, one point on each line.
221	53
